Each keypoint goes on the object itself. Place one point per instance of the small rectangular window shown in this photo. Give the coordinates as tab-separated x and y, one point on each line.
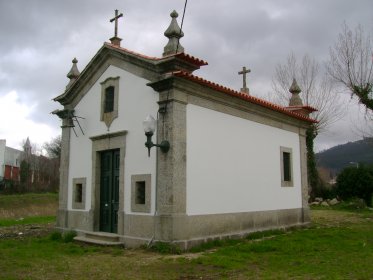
287	164
286	167
79	193
109	99
140	192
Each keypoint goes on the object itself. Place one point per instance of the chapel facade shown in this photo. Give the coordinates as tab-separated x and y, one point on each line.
235	163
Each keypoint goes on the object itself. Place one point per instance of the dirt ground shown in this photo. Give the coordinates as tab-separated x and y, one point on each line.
22	231
17	207
48	209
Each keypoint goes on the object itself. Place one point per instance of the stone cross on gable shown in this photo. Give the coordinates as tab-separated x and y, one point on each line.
243	73
116	22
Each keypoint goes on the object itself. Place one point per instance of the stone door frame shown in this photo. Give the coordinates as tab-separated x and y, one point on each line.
100	143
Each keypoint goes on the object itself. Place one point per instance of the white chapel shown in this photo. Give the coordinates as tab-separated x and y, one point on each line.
218	163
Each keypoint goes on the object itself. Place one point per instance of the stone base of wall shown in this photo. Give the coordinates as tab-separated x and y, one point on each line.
189	231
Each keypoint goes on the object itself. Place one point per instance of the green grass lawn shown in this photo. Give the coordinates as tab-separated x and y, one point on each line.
23	200
27	221
339	245
17	206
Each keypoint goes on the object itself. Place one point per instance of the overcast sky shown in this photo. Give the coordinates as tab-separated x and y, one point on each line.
39	38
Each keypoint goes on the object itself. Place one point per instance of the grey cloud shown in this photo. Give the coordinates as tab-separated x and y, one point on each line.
40	38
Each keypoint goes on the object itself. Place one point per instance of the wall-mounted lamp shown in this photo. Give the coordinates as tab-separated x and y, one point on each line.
149	127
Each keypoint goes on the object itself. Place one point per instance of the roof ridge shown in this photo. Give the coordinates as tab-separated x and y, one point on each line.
179	54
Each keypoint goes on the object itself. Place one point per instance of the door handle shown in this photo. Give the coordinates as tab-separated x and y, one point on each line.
106	205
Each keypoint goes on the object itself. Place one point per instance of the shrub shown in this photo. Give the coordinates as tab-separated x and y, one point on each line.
68	236
56	236
356	182
65	237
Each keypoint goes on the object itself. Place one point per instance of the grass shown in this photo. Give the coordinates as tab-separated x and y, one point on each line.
338	245
12	201
17	206
27	221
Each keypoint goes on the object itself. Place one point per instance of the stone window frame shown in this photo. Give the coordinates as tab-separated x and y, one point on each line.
135	207
83	182
287	183
109	117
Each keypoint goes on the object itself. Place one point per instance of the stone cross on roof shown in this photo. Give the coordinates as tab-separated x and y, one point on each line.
243	73
116	40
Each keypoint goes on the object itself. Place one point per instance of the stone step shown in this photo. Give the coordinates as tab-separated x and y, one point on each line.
97	241
99	238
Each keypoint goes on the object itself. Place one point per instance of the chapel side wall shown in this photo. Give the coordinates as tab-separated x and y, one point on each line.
135	101
252	182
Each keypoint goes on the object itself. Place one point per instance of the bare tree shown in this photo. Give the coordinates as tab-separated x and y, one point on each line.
317	89
53	147
351	63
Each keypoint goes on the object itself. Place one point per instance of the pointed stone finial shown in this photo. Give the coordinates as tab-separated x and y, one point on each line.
73	73
173	33
295	99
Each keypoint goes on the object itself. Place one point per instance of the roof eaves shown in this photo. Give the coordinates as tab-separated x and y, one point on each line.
243	96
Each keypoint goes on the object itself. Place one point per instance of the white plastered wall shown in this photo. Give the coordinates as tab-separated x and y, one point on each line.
136	100
233	165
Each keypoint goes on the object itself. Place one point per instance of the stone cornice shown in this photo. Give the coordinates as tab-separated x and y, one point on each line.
108	135
176	88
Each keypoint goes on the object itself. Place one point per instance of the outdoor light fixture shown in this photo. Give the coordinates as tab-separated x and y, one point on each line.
149	127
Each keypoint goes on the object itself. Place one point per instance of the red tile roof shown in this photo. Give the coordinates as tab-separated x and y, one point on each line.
189	58
196	61
243	96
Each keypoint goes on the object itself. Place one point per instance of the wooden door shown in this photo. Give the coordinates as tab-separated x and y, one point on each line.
109	191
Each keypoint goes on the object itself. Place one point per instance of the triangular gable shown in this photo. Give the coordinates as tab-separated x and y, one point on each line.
146	67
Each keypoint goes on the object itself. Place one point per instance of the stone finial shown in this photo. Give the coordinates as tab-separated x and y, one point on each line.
295	99
73	73
173	33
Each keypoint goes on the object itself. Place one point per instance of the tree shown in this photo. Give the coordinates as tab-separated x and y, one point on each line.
351	63
356	182
53	147
318	92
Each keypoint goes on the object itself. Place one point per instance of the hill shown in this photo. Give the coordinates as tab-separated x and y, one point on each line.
345	155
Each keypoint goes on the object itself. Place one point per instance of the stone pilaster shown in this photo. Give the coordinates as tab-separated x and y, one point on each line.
62	221
304	175
171	168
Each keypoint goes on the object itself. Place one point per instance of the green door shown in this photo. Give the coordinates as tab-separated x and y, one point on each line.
109	191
